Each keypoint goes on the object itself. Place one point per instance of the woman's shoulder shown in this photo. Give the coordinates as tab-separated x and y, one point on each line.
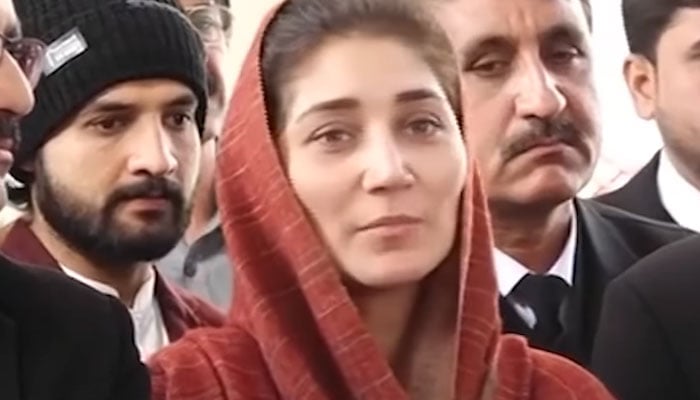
210	364
527	373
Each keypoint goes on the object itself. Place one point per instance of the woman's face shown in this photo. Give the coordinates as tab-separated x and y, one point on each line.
373	151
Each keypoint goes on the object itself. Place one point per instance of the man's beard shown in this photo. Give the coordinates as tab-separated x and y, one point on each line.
98	235
9	129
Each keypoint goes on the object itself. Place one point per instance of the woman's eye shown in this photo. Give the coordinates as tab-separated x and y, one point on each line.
424	126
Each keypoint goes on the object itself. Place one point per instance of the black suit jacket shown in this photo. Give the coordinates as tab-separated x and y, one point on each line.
648	344
609	242
61	340
640	195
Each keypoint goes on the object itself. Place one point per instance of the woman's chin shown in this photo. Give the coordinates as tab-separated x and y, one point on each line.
390	273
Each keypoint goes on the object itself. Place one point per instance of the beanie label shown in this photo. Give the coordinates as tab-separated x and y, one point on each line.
70	45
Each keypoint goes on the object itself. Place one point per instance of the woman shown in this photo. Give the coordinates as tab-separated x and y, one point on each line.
363	260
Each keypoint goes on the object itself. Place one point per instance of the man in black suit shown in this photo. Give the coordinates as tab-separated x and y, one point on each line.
531	113
62	340
662	75
58	338
648	344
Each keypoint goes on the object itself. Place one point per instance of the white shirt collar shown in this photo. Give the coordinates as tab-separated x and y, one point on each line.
150	333
678	196
509	271
144	299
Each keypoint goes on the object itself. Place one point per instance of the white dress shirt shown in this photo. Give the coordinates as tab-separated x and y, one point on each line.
678	196
509	271
149	327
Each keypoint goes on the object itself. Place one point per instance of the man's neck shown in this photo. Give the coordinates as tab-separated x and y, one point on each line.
125	279
535	238
683	169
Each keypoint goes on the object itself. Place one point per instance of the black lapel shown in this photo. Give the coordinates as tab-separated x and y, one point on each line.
600	256
9	364
646	191
641	194
600	244
572	342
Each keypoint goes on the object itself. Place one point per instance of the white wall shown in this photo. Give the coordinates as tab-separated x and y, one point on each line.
247	14
628	141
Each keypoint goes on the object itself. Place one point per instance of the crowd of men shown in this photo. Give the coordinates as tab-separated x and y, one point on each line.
110	116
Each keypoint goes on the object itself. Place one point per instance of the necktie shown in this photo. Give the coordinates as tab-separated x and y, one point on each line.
544	294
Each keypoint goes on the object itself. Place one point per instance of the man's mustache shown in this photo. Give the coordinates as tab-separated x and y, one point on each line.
542	132
155	187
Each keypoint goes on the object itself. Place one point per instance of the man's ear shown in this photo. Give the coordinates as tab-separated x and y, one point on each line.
640	76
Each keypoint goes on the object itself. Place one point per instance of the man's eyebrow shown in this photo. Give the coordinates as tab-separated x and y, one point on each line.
563	31
485	42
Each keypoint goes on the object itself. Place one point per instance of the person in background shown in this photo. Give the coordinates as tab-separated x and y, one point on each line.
357	226
531	111
109	156
648	343
58	339
199	262
662	76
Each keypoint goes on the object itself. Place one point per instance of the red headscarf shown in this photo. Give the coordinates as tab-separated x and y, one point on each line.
294	332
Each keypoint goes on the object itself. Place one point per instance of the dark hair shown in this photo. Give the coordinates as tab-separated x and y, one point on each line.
646	20
301	26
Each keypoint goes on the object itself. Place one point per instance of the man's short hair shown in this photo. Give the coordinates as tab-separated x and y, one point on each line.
646	20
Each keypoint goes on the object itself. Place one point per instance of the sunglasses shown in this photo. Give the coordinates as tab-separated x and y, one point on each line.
28	53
